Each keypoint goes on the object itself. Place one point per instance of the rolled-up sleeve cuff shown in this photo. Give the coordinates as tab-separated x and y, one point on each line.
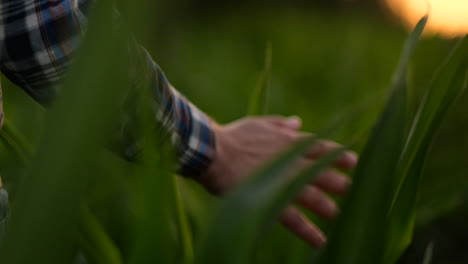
194	137
190	129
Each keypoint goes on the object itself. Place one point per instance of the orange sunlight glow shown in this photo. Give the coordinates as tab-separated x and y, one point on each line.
446	17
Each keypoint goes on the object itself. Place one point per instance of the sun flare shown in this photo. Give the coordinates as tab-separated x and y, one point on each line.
447	17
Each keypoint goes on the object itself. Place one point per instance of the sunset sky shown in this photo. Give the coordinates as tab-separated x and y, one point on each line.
447	17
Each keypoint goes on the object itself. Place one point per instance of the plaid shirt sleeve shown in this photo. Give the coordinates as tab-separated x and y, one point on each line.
190	129
37	42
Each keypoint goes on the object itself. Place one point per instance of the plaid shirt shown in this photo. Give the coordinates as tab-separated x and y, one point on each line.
38	39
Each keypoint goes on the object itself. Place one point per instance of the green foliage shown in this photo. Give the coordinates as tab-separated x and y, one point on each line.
16	142
45	210
231	235
55	214
259	99
183	224
449	82
366	207
94	241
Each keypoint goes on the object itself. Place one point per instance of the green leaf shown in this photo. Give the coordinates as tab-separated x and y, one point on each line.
183	225
259	100
161	229
449	82
16	142
243	215
97	245
78	126
155	208
359	233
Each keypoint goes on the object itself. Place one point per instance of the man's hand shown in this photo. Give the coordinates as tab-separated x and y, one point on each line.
245	145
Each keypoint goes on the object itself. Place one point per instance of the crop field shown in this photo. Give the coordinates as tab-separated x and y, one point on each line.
392	93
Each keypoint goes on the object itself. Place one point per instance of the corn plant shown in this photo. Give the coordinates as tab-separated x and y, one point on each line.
377	220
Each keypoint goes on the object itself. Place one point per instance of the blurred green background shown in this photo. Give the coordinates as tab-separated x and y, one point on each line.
332	65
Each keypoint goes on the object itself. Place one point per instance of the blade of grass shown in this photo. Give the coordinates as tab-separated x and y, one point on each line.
259	98
358	235
242	216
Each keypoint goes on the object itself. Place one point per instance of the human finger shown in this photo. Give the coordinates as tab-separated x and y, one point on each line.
333	181
302	227
347	160
328	179
318	202
289	126
290	123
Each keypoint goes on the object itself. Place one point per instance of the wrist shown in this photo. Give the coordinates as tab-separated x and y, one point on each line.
213	178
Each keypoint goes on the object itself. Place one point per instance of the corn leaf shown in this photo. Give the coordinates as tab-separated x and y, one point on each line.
46	209
259	100
449	82
184	230
156	204
242	216
16	142
98	246
358	236
155	209
161	225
